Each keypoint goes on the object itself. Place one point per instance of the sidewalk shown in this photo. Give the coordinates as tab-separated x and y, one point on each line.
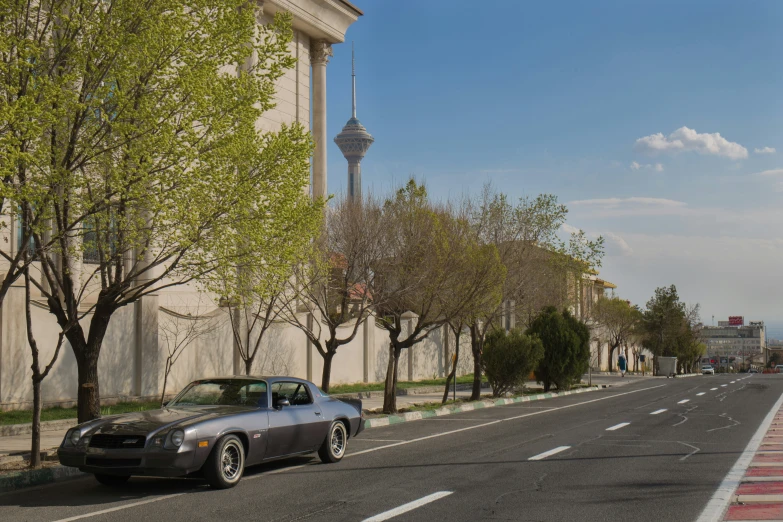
12	447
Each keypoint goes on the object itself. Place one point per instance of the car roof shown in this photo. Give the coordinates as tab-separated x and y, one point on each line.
269	379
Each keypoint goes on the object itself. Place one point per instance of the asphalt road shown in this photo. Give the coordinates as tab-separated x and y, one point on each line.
551	460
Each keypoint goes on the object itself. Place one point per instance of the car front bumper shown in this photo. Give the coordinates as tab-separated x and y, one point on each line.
147	461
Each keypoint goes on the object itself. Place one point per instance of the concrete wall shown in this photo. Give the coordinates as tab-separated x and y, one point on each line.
131	367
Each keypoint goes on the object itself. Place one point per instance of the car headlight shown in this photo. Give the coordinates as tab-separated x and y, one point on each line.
72	437
176	438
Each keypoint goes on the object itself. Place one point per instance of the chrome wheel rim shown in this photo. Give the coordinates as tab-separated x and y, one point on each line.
231	461
338	440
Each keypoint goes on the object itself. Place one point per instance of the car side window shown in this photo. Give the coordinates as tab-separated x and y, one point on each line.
296	393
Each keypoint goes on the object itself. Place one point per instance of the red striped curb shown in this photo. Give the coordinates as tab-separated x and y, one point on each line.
756	512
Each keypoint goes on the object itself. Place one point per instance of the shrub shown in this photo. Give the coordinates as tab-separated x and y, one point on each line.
509	358
566	343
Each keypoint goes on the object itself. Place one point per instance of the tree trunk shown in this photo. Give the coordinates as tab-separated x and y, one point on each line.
547	385
165	381
476	346
35	449
390	390
249	366
88	395
326	374
453	373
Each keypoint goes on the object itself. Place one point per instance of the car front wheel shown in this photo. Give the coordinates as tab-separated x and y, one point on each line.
225	465
333	448
111	480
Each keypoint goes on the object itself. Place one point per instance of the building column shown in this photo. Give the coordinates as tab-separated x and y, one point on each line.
320	51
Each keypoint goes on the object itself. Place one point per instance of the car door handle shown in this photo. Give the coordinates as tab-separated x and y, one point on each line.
317	412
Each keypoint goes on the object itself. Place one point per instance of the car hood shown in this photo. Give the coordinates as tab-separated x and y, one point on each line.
144	422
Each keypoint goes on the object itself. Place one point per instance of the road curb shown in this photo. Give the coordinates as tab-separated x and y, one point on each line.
10	430
470	406
37	477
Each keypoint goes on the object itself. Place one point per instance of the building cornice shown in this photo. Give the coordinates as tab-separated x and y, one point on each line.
326	20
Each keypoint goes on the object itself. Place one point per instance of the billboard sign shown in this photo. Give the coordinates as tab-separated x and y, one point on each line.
736	320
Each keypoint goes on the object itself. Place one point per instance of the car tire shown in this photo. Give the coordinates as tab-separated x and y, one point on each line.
111	480
333	448
225	465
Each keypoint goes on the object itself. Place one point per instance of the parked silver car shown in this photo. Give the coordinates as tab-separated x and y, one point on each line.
707	369
215	428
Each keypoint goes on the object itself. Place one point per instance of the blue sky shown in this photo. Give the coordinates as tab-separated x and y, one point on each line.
568	98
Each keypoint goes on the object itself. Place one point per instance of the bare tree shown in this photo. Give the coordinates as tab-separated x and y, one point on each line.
180	331
333	289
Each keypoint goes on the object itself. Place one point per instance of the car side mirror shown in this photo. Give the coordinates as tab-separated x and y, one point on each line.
283	402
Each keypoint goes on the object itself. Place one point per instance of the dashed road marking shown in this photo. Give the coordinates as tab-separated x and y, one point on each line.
618	426
700	394
656	412
555	451
684	401
410	506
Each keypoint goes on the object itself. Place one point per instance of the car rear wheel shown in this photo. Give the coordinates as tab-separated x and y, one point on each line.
225	465
333	448
111	480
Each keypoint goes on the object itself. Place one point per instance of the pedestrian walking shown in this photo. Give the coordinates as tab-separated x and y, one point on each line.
621	363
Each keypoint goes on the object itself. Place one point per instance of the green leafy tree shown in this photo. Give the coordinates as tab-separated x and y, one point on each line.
509	358
130	133
617	320
475	288
413	275
566	343
541	268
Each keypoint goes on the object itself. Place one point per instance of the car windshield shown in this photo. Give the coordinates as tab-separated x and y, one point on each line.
227	392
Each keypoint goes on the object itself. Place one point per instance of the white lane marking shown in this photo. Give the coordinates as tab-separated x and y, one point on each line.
700	394
684	401
410	506
713	389
732	382
656	412
694	452
292	468
723	385
118	508
427	437
618	426
542	456
717	505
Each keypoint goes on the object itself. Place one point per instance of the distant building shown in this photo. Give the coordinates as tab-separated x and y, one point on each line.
727	344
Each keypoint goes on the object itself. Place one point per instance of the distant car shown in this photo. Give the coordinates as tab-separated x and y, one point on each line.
753	370
215	428
778	368
707	369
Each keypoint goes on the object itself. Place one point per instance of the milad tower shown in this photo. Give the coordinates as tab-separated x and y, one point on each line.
354	140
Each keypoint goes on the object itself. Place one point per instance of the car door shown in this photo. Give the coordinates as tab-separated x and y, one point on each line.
294	428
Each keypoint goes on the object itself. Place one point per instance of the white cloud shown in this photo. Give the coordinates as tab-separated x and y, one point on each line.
765	150
637	166
616	245
569	229
773	172
688	140
616	202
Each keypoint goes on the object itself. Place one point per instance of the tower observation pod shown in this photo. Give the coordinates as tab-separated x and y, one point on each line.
354	141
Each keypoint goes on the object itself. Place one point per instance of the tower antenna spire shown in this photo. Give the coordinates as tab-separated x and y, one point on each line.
353	80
